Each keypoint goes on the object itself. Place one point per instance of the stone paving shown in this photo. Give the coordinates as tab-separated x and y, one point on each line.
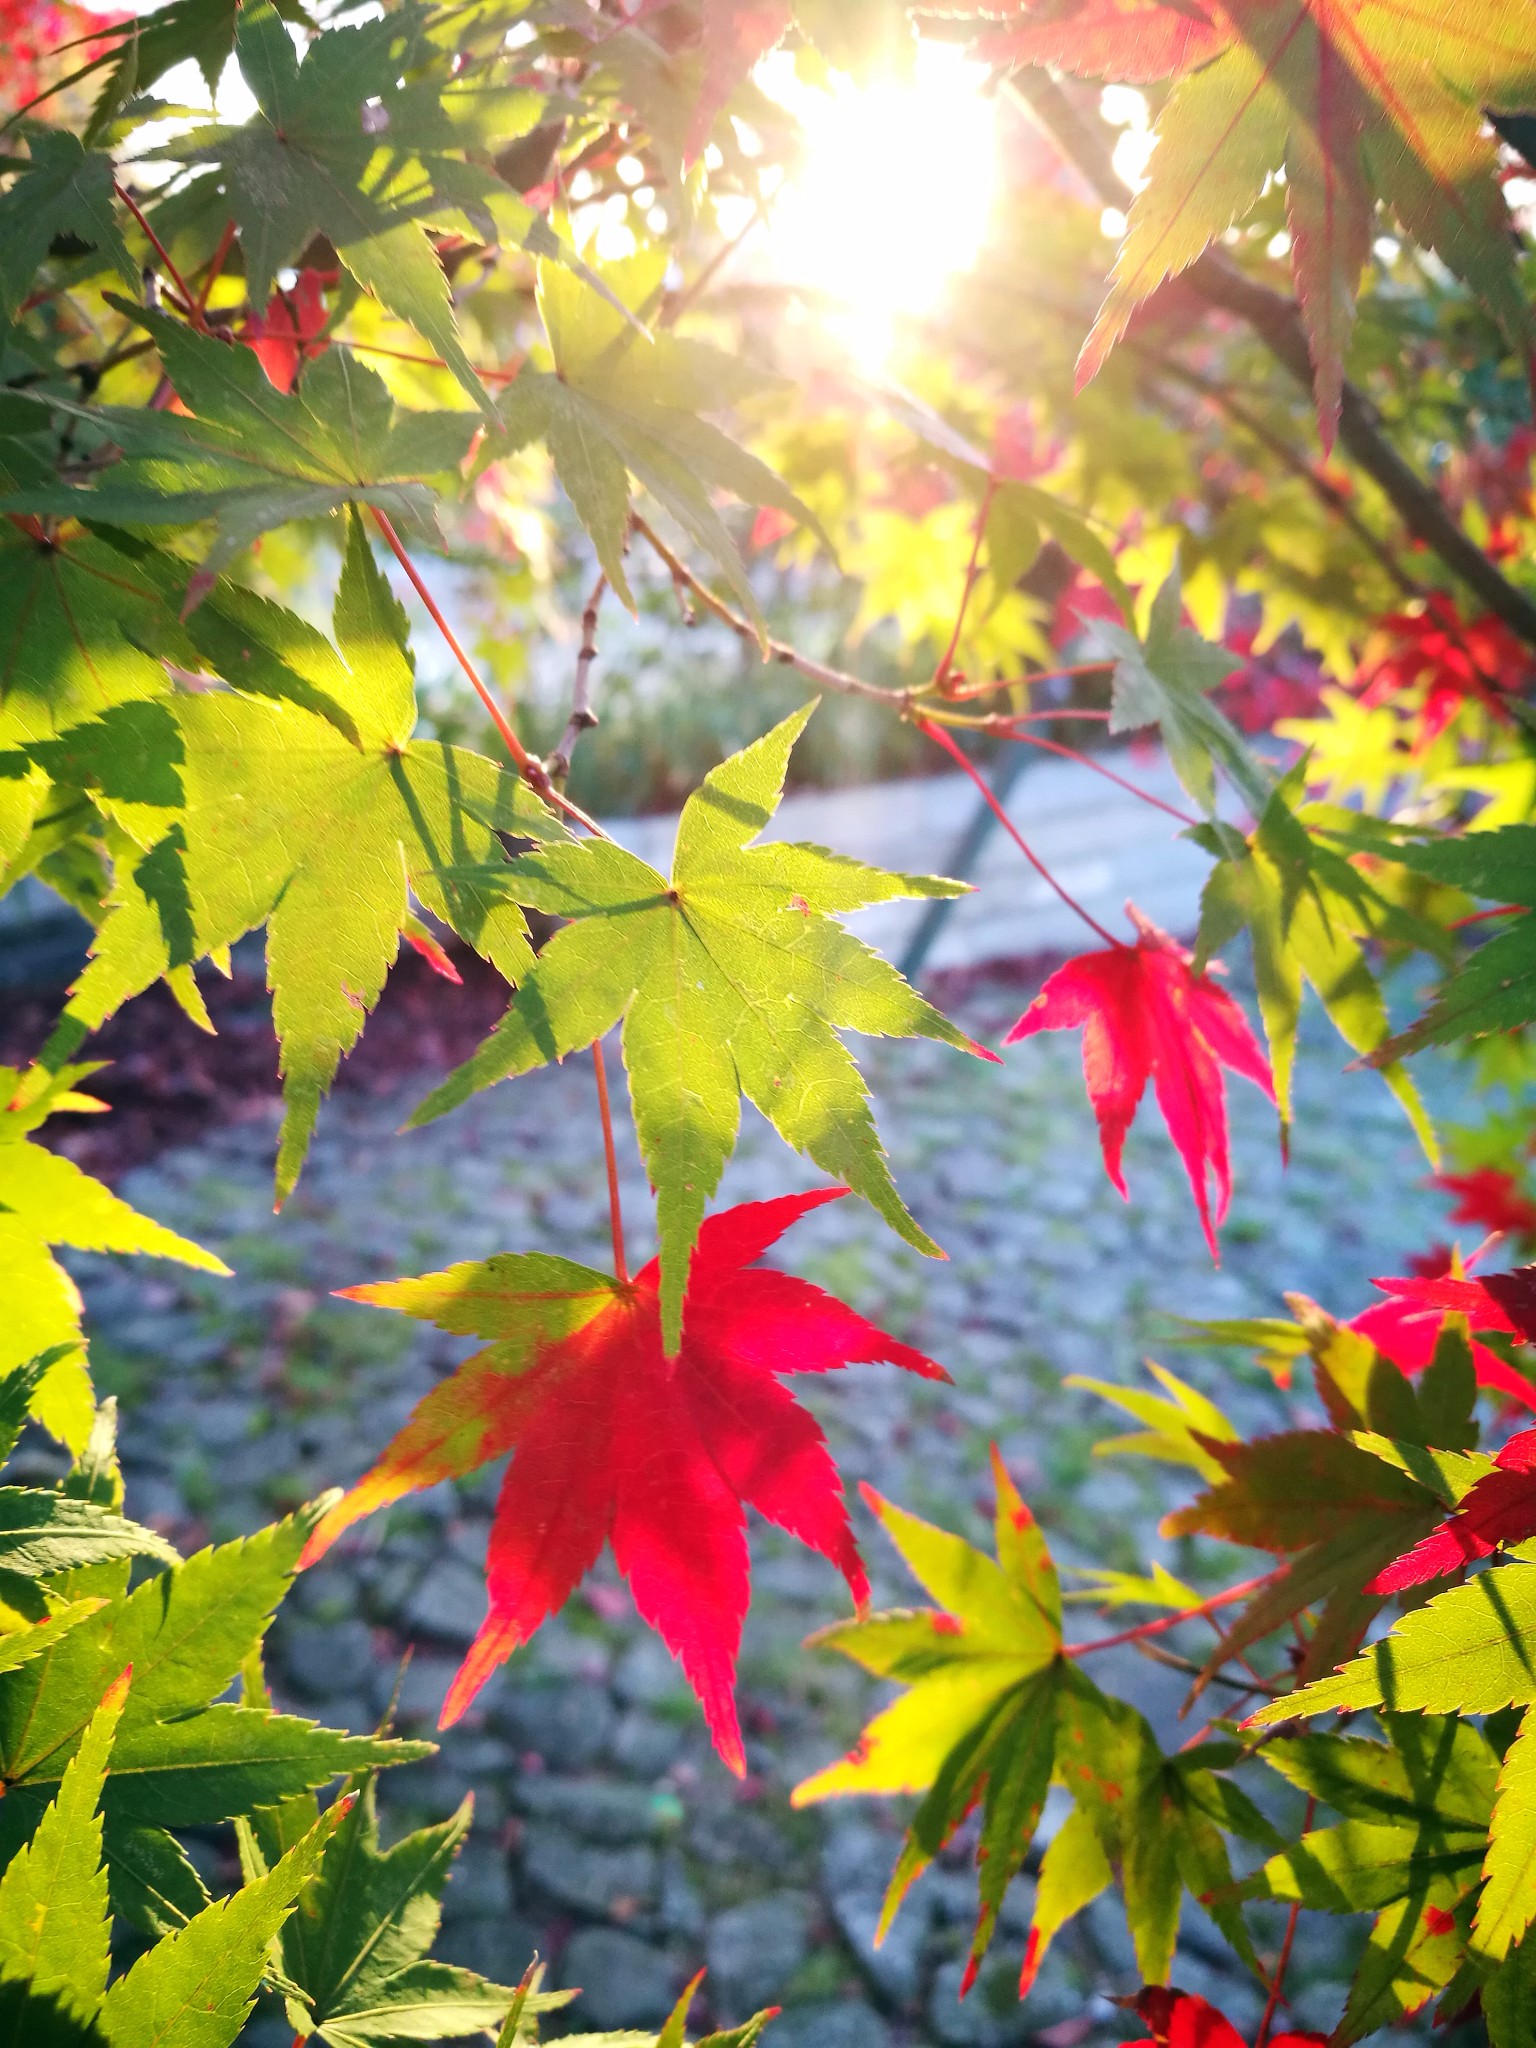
607	1836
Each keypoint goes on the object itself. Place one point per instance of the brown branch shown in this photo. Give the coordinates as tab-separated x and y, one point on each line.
583	718
1276	320
818	672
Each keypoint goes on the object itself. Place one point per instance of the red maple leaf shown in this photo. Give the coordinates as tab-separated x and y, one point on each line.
737	34
1492	1198
1178	2019
1455	661
1406	1326
1500	1508
287	333
612	1442
1147	1015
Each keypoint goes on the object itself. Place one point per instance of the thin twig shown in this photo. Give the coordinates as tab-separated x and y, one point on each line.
1034	739
215	266
780	651
611	1157
962	692
1277	1982
1165	1622
531	769
972	571
189	299
941	738
583	718
1243	1686
692	293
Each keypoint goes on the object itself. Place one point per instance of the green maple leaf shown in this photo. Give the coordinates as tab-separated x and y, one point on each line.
1408	1849
252	457
1336	1513
86	620
309	809
53	1893
1306	909
617	404
1165	680
356	1954
1494	989
1463	1652
65	192
345	146
46	1200
731	978
986	1683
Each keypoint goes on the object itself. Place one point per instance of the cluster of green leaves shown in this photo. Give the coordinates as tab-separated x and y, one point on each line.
117	1733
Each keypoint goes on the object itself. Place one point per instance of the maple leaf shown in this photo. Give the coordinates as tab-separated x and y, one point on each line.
731	978
310	809
1453	660
1166	681
1307	910
1414	1828
1381	98
994	1712
88	620
1494	989
1406	1325
1492	1198
613	1442
1146	1015
350	144
1178	2019
1498	1511
46	1200
617	403
737	35
252	457
64	192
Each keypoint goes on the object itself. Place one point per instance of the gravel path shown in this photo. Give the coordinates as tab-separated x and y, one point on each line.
607	1835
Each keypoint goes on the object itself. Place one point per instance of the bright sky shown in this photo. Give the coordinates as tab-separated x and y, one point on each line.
895	194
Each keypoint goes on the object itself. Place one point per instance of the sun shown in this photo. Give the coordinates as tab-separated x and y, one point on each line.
893	197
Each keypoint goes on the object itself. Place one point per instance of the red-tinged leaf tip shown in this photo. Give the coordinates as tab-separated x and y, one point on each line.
117	1691
968	1977
872	1499
982	1052
435	957
1030	1968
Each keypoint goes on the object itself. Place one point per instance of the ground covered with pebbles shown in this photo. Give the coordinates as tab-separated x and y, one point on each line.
607	1836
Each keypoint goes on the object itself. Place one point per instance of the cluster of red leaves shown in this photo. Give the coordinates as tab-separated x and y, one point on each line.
1146	1015
1406	1326
613	1442
290	331
1499	480
1455	661
1177	2019
1491	1198
31	34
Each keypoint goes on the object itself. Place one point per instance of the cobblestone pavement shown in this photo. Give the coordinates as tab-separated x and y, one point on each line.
607	1836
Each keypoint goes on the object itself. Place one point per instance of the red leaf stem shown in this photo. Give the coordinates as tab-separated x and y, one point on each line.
942	739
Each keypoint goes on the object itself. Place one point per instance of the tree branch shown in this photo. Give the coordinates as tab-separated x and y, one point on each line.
583	718
1276	320
780	651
